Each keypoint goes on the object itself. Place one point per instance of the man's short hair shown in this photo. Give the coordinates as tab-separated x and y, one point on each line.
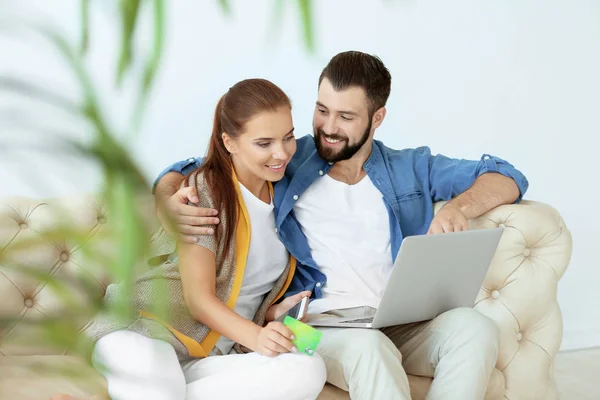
355	68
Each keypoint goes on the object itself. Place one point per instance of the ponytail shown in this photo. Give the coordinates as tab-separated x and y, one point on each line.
217	169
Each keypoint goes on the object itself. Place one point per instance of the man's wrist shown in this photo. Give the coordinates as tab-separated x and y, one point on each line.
167	186
462	203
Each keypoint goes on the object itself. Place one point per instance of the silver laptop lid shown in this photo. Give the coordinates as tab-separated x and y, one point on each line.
436	273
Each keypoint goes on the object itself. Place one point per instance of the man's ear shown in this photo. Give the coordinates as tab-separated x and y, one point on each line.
229	143
378	117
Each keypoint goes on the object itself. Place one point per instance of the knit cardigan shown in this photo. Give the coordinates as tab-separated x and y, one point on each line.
189	337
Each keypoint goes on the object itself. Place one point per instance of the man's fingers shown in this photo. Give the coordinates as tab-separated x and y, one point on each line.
188	194
461	226
447	226
194	230
196	221
192	211
435	228
204	212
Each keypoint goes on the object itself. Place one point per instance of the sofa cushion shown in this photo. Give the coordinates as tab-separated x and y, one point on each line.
41	377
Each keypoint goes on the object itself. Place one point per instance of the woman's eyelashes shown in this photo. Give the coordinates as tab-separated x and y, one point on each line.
266	144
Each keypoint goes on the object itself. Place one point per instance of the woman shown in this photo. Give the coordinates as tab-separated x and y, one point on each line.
222	290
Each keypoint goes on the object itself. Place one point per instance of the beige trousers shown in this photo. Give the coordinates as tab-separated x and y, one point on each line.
458	349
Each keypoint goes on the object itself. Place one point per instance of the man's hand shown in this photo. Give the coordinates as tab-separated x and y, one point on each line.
449	219
185	221
276	310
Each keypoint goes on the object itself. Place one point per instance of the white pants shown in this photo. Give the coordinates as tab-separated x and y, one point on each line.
139	368
458	349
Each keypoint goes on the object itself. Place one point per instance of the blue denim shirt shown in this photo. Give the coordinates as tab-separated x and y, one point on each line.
410	182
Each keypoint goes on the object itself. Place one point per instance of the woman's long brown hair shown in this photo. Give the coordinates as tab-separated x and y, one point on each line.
235	108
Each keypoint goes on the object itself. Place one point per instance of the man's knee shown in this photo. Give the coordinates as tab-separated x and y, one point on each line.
474	328
308	373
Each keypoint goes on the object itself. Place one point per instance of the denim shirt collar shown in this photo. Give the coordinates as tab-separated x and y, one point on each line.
375	166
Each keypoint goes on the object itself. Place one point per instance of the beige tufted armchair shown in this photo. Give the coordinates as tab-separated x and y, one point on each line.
519	294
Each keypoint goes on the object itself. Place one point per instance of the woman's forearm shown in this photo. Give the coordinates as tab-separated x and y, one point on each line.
212	312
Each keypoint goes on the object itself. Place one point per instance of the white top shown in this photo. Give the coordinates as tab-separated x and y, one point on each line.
348	231
267	259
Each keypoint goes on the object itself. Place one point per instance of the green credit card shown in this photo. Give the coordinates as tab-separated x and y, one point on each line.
307	337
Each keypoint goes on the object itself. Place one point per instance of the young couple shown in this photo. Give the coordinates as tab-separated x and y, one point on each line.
330	228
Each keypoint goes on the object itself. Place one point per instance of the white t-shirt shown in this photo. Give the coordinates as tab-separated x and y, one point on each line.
347	227
267	259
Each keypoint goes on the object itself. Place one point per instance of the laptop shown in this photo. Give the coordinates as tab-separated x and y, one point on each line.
432	274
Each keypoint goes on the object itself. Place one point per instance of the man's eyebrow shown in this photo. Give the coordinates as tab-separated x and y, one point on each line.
269	138
340	111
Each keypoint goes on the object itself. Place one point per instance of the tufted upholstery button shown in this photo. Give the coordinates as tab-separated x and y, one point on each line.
526	253
64	256
495	294
28	303
101	220
23	225
519	337
501	226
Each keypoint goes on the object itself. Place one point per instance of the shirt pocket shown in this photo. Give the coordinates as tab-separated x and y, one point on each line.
408	195
411	205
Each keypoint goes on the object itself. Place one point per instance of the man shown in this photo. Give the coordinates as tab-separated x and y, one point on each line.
343	209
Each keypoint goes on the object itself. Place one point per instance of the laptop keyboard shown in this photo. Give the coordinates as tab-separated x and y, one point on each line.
358	321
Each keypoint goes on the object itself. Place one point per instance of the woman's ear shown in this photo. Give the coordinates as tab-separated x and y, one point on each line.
229	143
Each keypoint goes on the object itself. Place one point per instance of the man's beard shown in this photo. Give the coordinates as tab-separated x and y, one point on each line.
346	152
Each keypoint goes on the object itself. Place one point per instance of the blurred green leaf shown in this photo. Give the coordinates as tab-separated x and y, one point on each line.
132	246
153	62
276	18
225	6
85	25
305	9
129	14
122	186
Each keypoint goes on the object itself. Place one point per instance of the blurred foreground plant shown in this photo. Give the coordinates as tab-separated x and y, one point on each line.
124	193
122	186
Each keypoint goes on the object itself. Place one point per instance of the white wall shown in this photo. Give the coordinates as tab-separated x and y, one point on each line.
518	79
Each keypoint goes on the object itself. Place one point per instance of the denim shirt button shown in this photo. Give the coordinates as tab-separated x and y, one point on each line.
318	284
295	197
321	173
